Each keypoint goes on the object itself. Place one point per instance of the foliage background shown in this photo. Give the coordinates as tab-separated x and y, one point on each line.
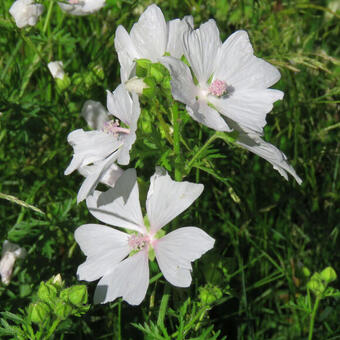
263	240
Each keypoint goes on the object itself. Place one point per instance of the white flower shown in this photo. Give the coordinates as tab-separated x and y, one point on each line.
109	142
230	80
149	38
56	69
10	252
81	7
107	249
26	12
269	152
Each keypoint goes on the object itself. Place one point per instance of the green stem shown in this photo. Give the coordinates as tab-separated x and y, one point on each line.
201	150
177	149
53	328
312	319
48	16
119	330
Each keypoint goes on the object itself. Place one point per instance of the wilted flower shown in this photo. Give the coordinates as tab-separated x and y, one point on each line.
109	142
149	38
228	80
56	69
107	249
10	252
81	7
269	152
26	12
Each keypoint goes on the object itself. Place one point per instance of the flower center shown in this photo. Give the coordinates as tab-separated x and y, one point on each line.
73	2
112	128
138	242
218	88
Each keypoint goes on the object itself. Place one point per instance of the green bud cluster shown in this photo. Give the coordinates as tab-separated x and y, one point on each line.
57	302
209	293
319	281
155	76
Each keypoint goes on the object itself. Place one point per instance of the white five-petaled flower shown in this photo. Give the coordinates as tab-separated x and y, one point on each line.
26	12
107	249
150	38
81	7
108	143
229	80
56	68
10	252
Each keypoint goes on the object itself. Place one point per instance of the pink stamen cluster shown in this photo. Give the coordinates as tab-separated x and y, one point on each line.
113	128
218	88
73	2
138	242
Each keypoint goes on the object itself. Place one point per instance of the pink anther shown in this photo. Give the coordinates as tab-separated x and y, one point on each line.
113	128
138	242
218	88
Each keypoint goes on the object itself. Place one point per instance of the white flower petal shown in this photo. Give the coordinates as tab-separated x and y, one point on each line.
122	106
95	114
109	177
167	199
124	155
200	49
238	67
90	147
120	205
98	171
176	250
270	153
248	108
207	116
126	52
84	7
129	279
104	247
56	68
182	85
26	12
149	34
176	29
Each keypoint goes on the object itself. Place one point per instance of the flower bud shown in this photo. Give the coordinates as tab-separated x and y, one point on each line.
317	287
136	85
46	292
306	271
62	310
209	294
56	69
39	312
77	295
328	275
63	84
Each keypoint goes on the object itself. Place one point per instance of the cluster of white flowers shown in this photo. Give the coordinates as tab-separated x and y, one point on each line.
225	88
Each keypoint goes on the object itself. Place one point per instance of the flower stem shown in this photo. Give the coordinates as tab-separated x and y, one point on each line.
48	16
177	150
312	318
201	150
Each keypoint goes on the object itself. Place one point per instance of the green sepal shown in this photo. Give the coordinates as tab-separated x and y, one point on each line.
39	312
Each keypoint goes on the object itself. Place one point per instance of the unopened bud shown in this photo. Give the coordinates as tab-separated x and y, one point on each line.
328	275
63	310
136	85
46	292
77	295
317	287
39	312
